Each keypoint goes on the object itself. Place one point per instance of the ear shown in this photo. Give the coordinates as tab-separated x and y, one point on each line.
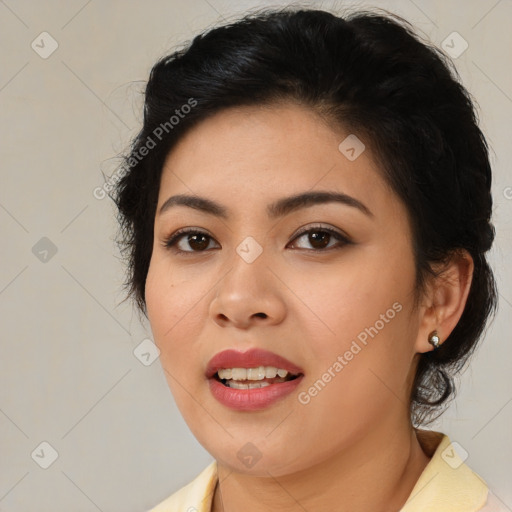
445	299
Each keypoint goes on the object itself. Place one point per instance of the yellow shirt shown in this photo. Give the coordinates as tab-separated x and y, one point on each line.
446	484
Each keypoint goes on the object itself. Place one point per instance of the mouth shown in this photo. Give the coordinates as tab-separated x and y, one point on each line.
253	378
253	365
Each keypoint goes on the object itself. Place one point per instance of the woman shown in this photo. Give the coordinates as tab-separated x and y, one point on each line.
306	213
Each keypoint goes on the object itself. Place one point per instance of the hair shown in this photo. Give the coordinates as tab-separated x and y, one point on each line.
366	72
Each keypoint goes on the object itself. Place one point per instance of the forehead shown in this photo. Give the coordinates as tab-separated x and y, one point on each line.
266	152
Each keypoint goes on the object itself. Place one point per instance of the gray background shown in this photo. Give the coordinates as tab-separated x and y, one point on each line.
68	372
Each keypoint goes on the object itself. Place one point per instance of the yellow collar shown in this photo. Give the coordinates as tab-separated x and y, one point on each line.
446	484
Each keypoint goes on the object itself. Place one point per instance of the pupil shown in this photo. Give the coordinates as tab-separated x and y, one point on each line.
319	236
192	239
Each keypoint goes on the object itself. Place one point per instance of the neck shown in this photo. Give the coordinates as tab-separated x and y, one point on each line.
376	474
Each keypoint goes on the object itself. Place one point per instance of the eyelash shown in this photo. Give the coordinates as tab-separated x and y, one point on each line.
172	240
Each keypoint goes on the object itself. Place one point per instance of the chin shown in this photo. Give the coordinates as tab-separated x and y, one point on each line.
252	458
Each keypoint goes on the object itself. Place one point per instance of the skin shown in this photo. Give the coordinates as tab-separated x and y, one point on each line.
353	444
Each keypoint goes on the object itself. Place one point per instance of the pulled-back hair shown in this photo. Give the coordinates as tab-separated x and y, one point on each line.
370	74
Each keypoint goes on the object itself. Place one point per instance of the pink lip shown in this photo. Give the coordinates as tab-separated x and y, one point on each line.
250	399
250	359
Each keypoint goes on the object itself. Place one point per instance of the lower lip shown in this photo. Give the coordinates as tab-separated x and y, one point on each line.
252	399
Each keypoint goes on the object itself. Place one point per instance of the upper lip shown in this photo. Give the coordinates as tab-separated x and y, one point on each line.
251	358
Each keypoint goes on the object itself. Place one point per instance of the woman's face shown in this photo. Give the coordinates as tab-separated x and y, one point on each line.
337	308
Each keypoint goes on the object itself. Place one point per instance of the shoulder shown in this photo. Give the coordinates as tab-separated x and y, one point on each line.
196	496
447	484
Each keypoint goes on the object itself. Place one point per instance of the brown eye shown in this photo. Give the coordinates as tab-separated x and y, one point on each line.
198	242
189	241
319	238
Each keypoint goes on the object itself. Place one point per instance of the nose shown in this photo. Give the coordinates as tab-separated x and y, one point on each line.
248	295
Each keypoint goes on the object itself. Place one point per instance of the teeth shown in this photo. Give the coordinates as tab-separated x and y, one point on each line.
271	372
225	374
256	373
252	385
259	373
238	373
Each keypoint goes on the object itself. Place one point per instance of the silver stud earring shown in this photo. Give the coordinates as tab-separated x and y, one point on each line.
433	339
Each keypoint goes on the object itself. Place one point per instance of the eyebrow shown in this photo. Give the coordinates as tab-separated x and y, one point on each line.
279	208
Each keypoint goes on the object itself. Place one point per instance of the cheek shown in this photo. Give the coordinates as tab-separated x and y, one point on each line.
173	306
363	360
341	301
356	384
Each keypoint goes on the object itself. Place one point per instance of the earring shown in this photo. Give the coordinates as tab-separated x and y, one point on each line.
433	339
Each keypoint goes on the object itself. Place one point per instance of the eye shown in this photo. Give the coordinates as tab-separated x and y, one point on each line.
319	238
197	240
191	240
